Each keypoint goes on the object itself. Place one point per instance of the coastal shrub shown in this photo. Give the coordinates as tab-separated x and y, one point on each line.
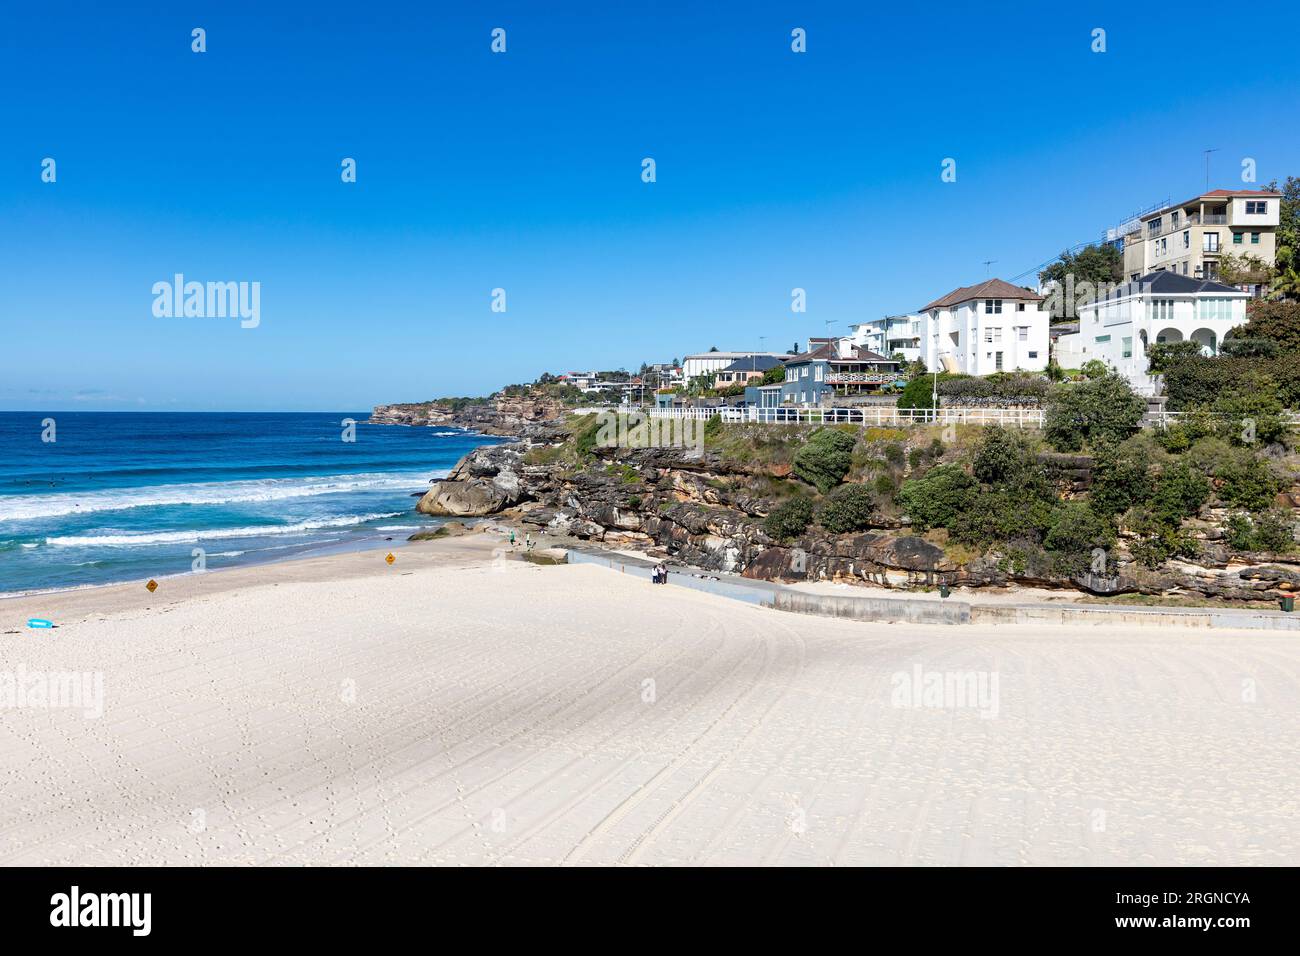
1094	368
584	438
1121	478
1272	531
1157	548
712	427
1001	389
1249	348
1002	456
915	458
918	392
1242	478
885	485
895	455
789	519
849	508
1179	493
1163	356
825	459
1005	513
1251	415
937	498
1085	413
1199	380
1075	533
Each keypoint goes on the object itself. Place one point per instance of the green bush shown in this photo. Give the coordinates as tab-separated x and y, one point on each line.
1163	356
894	455
1271	531
1120	479
1005	513
849	508
1003	455
1244	479
1201	380
918	393
1074	535
1101	409
825	459
1179	493
789	519
938	497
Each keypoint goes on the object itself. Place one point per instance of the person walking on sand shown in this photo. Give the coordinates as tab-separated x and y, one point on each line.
512	539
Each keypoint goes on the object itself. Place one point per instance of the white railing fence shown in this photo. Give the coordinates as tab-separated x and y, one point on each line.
881	415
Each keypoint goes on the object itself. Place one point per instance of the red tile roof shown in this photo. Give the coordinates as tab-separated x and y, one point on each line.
991	289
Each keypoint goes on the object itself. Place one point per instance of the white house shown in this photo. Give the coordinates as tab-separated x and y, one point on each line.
980	329
1160	307
703	362
891	335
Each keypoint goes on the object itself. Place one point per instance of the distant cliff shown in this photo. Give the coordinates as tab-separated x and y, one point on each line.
504	416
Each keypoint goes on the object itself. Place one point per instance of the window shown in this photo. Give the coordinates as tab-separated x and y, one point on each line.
1254	238
817	373
1022	334
1128	347
997	362
992	306
1033	355
1210	242
1237	238
992	334
1020	307
1162	310
803	372
1256	207
1102	338
1209	310
1187	241
1153	227
1173	220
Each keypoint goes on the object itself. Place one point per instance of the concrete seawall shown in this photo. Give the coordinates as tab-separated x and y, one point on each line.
872	608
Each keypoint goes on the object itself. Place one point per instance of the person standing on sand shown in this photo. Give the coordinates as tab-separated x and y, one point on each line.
512	539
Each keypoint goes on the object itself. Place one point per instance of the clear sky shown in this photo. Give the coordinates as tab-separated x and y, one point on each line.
522	171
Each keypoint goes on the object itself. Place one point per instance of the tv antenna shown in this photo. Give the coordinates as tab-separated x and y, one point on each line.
987	263
1207	153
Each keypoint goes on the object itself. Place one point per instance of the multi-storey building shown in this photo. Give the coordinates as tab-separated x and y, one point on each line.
891	335
704	362
980	329
1191	238
834	367
1118	328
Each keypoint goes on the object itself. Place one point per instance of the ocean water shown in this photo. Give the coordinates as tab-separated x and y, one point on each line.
125	496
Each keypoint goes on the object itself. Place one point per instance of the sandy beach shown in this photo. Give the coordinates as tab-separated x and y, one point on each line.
461	708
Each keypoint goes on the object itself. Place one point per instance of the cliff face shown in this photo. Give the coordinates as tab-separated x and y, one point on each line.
509	417
708	512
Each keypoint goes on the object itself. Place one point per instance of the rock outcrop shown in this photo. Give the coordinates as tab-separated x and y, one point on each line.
532	418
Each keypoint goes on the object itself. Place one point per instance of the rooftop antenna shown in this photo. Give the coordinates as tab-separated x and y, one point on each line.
1207	153
987	263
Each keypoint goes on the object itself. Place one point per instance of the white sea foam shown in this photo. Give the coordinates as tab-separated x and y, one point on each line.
29	507
177	537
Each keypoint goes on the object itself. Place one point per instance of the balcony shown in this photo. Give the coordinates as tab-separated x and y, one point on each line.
860	378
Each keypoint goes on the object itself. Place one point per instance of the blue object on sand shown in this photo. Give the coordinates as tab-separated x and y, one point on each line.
39	622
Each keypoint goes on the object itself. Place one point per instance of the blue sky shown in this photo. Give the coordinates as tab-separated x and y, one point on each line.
523	171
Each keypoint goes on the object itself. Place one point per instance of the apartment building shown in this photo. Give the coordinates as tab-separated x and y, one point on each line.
1159	307
1191	238
891	335
981	329
704	362
743	371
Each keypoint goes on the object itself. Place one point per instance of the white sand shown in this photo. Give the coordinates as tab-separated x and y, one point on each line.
501	716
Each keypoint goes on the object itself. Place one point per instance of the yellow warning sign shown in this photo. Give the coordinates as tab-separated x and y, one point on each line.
390	559
152	585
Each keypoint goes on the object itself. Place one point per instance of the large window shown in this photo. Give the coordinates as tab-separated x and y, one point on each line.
1210	242
992	306
1022	334
992	334
1127	342
1209	310
1256	207
1153	227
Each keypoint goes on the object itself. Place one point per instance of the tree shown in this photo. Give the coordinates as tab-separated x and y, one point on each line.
825	458
849	508
1074	535
1242	347
1244	269
1286	258
789	519
1165	355
1278	321
939	497
1101	409
773	376
1095	264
